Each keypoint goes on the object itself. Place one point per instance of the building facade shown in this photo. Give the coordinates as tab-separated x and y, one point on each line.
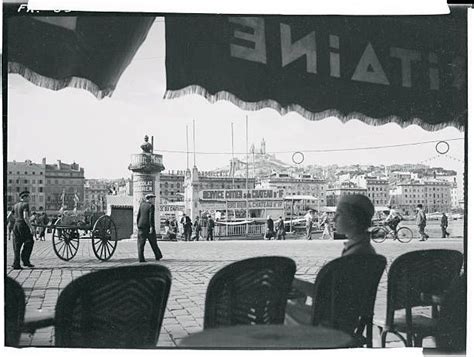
28	176
378	189
64	182
434	195
298	186
95	195
407	195
172	183
334	194
172	186
438	196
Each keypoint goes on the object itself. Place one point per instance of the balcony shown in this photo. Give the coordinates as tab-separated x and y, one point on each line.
146	162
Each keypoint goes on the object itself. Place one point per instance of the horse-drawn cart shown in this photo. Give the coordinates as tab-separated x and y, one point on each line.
71	228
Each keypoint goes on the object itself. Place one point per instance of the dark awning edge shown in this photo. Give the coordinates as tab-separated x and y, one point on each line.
269	103
58	84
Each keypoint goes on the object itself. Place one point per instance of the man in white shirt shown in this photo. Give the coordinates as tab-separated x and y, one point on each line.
309	224
393	219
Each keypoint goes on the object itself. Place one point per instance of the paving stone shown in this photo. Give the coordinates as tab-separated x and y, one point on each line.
192	266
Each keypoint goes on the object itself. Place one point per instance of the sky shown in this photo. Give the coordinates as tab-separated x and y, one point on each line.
100	135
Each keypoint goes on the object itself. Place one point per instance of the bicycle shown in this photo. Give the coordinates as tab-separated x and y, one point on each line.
381	233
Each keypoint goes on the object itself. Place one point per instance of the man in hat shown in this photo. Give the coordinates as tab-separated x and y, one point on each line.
444	226
210	228
187	227
146	228
421	222
22	232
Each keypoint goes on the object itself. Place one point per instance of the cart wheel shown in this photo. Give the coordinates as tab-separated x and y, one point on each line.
378	234
65	241
104	238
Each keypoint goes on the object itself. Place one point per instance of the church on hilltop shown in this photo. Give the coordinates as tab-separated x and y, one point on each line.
260	163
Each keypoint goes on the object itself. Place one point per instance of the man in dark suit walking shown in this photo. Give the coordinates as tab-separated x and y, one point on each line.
146	228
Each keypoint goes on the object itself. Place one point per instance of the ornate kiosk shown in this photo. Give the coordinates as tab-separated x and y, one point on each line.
146	168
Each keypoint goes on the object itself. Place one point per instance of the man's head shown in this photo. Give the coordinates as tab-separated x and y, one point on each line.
354	214
419	206
268	217
25	196
150	198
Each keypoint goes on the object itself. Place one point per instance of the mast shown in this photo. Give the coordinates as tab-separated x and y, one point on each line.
194	144
232	167
187	149
247	164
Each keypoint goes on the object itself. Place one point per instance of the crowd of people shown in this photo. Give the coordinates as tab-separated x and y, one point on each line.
353	218
201	227
327	224
39	221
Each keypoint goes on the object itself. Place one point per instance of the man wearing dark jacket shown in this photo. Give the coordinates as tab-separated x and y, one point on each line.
187	227
22	232
444	225
146	228
210	228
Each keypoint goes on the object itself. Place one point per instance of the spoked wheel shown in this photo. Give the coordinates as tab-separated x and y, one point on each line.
405	235
65	241
378	234
104	238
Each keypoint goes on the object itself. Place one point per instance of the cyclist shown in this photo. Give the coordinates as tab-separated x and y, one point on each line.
393	219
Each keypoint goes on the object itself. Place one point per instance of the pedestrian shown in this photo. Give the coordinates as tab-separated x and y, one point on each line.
22	232
281	233
187	227
197	228
326	225
270	231
353	218
10	224
43	220
146	228
309	223
173	232
210	228
33	221
444	226
421	222
167	226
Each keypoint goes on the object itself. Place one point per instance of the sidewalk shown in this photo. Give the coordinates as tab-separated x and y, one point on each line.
192	265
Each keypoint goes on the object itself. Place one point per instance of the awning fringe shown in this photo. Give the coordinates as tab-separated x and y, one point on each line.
58	84
268	103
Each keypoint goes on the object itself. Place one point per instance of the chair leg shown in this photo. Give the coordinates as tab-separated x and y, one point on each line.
418	340
383	338
405	342
369	335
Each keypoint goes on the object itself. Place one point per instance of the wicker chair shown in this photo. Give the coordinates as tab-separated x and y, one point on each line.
14	311
115	308
251	291
343	296
410	276
451	331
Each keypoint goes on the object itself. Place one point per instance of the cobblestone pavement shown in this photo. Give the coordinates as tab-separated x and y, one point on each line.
192	265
